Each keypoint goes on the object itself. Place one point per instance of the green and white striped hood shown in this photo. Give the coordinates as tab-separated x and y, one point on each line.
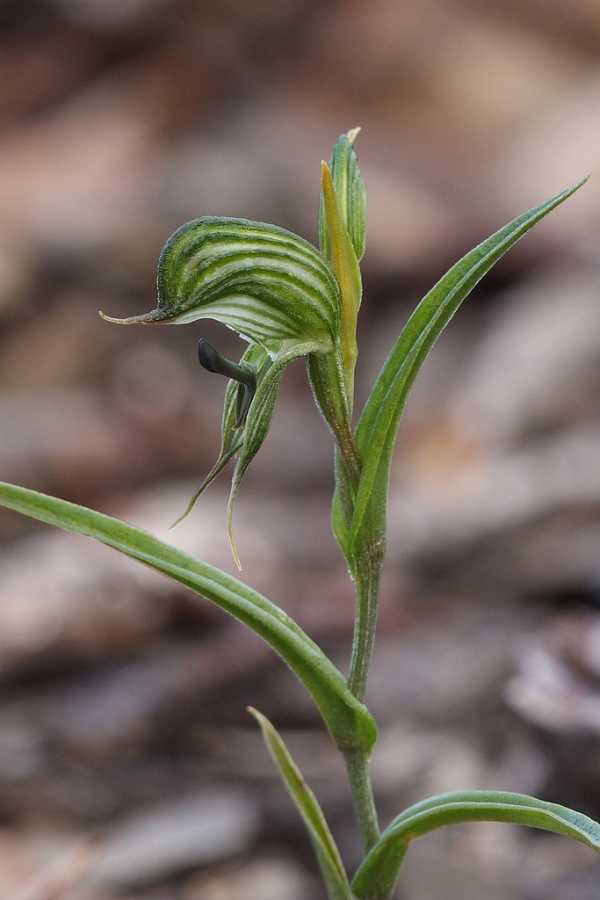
262	281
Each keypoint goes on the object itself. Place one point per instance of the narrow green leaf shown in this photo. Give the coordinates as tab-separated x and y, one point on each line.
307	805
342	211
379	420
261	280
259	418
379	871
348	721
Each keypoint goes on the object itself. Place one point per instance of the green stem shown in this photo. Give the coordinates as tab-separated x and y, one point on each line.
362	793
329	388
368	574
368	571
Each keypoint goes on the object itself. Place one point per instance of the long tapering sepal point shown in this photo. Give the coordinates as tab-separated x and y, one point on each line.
153	317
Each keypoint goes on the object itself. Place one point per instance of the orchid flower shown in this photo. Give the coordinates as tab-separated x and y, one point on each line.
282	295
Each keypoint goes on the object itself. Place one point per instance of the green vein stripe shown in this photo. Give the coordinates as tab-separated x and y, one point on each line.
202	264
269	279
259	279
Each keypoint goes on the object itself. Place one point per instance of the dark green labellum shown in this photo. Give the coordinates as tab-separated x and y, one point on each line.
252	365
259	418
213	361
249	405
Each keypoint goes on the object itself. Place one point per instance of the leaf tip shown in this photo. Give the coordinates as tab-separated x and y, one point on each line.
582	181
326	173
575	187
353	133
262	722
255	714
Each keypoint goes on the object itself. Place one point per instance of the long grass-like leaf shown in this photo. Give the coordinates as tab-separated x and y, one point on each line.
307	805
379	420
349	722
379	871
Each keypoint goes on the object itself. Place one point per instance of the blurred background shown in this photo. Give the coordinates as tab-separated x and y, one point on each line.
125	747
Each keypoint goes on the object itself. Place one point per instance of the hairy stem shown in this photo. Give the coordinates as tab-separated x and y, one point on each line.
366	569
362	793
